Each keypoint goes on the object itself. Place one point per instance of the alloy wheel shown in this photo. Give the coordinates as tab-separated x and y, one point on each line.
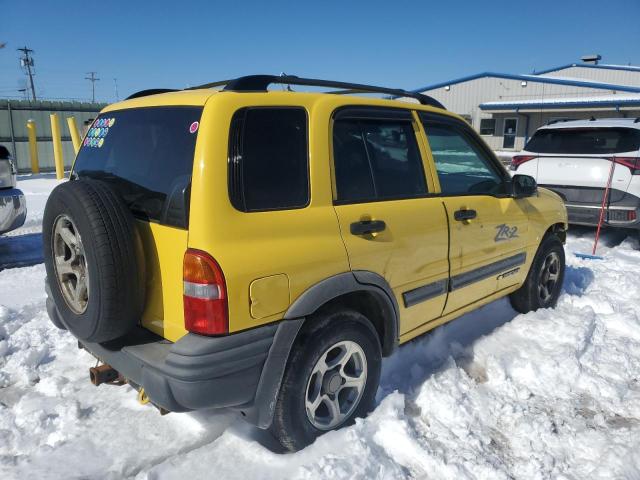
549	275
336	385
70	264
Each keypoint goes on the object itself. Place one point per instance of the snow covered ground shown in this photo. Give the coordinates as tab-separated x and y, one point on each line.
551	394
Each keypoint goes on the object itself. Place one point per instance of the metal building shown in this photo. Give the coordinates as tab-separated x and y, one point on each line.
506	109
13	128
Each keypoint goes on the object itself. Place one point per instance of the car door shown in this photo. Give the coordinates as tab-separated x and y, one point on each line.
390	222
488	227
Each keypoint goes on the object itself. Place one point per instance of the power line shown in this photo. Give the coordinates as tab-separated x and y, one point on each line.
27	63
93	79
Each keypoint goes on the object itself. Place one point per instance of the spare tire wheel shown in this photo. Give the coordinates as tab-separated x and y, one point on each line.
94	260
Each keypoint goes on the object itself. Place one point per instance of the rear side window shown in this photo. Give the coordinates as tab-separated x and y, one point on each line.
376	160
585	140
146	155
268	159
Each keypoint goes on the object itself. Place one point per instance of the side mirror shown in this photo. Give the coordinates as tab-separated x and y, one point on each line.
523	186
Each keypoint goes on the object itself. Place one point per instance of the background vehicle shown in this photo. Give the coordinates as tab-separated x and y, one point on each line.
13	210
573	158
263	250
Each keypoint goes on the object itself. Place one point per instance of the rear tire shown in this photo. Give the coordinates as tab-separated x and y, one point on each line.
542	287
309	394
94	261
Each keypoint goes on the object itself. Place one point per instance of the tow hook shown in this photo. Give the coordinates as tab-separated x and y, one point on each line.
105	374
143	399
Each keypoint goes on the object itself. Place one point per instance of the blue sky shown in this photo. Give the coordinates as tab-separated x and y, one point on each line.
396	43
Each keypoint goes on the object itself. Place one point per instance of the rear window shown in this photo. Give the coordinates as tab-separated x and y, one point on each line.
268	160
585	141
146	155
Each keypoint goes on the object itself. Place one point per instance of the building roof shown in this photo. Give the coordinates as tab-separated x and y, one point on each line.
628	68
535	78
608	101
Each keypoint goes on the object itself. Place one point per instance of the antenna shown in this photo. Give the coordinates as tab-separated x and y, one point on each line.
26	61
115	86
93	79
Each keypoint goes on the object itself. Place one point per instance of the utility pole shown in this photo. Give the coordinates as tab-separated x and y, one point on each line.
27	63
93	79
115	85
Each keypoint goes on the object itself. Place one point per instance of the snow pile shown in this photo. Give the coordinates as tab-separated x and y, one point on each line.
551	394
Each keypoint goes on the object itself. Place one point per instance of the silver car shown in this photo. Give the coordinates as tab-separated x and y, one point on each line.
13	208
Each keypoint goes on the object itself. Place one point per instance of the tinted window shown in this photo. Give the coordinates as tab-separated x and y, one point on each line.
510	129
585	140
462	166
376	159
268	161
487	126
146	155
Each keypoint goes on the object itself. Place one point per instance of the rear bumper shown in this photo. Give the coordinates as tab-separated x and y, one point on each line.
13	209
241	370
195	372
613	216
584	204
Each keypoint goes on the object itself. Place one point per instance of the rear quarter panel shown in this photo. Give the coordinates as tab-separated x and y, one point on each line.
164	249
303	244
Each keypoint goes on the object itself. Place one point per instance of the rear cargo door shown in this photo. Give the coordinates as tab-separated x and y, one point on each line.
588	173
146	156
581	157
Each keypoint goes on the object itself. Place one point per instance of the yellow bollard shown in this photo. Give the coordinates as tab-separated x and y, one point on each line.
33	146
75	136
57	146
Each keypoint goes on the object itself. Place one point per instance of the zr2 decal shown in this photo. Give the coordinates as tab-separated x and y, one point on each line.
505	232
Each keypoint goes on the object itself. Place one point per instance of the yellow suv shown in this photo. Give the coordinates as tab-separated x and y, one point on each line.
234	246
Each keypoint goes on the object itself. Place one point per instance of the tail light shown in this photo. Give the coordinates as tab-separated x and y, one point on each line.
632	162
204	294
622	215
518	160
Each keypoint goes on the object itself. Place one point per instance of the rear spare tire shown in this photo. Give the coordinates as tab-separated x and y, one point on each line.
94	260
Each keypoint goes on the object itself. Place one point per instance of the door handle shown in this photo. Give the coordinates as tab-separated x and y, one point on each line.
464	214
366	227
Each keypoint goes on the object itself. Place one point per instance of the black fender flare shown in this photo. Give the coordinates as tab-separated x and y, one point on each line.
348	282
260	412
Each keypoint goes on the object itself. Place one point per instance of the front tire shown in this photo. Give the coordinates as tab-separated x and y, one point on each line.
542	287
331	378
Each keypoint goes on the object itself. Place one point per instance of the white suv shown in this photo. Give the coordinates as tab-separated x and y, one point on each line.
574	158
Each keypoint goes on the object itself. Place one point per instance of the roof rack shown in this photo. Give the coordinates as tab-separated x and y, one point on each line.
558	120
260	83
150	91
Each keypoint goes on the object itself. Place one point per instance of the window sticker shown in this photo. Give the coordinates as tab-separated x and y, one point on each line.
98	132
193	128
